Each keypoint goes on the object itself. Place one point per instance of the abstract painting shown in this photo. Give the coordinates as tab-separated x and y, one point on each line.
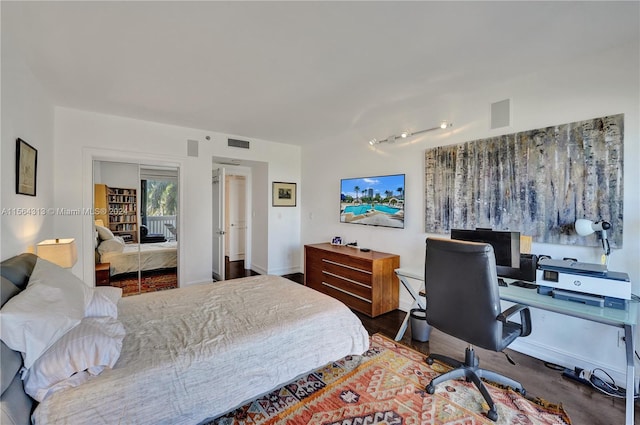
537	182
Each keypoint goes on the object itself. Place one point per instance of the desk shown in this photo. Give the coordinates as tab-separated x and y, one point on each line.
625	319
403	275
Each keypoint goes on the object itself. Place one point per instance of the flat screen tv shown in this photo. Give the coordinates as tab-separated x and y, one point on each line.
373	201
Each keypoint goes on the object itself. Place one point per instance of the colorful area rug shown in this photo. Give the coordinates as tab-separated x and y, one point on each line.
150	282
386	386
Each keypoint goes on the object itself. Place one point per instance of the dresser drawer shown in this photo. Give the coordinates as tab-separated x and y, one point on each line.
104	281
102	274
358	304
340	283
352	261
348	272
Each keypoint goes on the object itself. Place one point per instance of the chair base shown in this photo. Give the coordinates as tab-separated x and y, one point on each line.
472	372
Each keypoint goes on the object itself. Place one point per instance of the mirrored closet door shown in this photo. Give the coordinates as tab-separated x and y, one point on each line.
136	226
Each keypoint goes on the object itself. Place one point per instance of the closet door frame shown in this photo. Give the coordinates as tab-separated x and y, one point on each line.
94	154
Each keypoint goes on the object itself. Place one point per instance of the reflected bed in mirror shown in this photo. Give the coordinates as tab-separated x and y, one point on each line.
157	263
152	256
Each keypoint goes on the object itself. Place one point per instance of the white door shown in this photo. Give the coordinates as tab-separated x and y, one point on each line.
236	220
218	219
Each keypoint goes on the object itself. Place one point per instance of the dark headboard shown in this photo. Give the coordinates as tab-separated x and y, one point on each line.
15	404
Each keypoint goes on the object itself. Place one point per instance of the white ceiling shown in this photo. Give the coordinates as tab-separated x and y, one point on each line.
296	72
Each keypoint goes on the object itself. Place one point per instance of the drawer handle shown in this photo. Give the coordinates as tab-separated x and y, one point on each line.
346	266
346	292
347	279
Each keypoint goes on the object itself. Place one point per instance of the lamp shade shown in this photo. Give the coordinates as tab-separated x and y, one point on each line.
62	252
584	227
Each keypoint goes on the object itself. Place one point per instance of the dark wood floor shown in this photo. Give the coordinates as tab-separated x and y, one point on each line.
235	269
585	406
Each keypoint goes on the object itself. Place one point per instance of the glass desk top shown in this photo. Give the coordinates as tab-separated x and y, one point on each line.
607	315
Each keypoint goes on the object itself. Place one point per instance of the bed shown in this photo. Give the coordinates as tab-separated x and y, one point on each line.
187	354
132	257
144	257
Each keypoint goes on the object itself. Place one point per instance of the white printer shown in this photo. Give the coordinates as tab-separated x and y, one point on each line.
588	283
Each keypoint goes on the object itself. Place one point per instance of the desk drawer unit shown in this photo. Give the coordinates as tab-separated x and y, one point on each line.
364	281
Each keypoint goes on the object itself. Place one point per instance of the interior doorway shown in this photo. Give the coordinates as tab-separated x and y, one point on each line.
235	217
232	217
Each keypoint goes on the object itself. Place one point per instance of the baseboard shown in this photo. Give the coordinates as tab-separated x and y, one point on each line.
285	270
258	269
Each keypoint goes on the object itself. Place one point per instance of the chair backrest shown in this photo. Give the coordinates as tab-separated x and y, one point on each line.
463	298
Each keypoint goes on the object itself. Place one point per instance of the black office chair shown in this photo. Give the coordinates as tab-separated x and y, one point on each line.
146	237
463	301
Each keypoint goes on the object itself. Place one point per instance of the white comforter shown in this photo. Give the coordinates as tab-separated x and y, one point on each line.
145	256
197	352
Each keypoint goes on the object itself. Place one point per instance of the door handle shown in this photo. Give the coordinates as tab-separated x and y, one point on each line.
221	232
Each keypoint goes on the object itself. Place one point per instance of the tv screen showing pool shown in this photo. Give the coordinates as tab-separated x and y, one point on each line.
373	201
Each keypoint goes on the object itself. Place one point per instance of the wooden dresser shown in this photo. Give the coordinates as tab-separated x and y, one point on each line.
364	281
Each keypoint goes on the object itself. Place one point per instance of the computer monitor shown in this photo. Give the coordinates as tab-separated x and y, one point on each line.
506	247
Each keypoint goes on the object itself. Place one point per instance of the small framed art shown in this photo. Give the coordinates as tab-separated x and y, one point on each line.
26	168
284	194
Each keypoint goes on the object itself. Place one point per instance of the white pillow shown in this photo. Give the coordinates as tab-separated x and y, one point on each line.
54	302
104	302
92	346
111	292
111	245
104	233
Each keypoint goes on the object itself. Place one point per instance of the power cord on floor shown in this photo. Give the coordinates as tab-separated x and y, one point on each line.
598	379
608	386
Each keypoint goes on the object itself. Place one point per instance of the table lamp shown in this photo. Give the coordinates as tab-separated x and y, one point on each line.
62	252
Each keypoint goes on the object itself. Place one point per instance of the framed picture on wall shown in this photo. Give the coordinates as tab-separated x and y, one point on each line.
26	168
284	194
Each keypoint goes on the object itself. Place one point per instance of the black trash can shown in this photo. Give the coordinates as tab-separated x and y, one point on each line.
420	329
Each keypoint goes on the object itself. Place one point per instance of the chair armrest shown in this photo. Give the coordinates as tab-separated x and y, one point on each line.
525	317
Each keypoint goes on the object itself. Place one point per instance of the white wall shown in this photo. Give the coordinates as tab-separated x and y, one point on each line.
81	136
117	174
603	84
284	222
27	113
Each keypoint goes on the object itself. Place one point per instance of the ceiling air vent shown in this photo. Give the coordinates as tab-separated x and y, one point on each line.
235	143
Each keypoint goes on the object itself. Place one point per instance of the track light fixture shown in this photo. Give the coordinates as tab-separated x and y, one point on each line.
405	134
